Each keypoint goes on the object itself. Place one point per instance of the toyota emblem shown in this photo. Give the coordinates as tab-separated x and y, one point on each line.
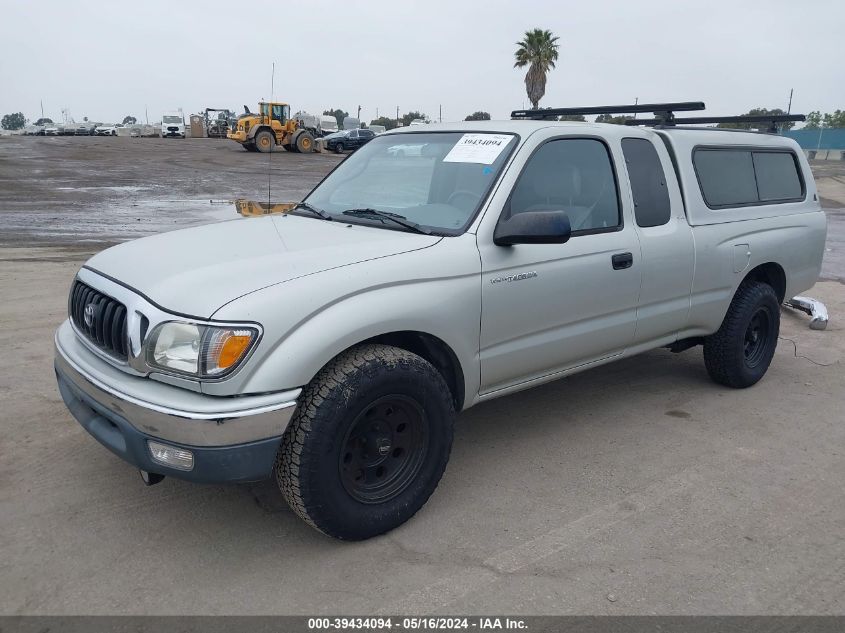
89	314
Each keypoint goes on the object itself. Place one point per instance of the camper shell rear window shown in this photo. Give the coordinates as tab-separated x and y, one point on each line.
732	177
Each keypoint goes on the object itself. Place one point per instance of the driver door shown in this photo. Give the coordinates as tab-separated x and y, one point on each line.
547	308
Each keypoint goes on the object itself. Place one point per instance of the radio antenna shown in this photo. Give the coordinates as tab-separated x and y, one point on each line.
270	115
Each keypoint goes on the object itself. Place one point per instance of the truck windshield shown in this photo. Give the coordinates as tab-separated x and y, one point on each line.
171	119
437	180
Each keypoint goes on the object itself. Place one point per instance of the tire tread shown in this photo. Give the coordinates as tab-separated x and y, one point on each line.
332	387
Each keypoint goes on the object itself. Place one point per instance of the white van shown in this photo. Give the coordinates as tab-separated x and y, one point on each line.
173	124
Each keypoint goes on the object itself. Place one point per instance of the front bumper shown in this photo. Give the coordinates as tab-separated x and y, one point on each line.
232	439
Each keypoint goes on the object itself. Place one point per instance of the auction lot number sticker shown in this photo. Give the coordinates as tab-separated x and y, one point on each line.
478	148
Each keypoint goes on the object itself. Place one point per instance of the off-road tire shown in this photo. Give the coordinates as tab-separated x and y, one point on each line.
310	459
725	354
305	143
338	149
265	141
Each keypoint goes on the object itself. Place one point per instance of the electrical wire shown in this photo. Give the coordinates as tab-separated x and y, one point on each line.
797	355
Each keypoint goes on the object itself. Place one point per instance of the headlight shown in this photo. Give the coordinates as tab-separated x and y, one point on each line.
203	351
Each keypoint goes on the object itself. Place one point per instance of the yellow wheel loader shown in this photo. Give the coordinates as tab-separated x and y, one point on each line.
269	128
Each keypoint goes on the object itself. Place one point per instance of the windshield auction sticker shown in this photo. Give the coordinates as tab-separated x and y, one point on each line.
478	148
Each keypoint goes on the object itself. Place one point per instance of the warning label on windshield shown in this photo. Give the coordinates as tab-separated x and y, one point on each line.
478	148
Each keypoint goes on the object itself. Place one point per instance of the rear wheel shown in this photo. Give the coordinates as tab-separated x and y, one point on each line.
740	352
265	141
368	443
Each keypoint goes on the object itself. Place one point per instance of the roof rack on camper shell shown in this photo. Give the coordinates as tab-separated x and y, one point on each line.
664	114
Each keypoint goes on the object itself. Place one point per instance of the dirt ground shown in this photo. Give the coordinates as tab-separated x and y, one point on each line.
71	190
636	488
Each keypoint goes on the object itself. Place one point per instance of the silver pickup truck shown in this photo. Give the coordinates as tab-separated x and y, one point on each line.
331	347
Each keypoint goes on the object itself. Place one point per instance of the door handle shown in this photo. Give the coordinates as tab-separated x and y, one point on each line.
621	261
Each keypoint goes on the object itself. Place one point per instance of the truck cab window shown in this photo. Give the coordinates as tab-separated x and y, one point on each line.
648	182
280	113
572	175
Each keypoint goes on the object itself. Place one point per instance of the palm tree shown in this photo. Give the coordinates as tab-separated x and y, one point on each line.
538	51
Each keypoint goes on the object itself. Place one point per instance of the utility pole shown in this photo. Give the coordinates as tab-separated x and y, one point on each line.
789	107
441	113
397	116
42	108
376	112
146	114
359	114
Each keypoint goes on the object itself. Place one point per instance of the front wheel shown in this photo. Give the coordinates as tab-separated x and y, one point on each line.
338	149
304	143
368	443
265	141
740	352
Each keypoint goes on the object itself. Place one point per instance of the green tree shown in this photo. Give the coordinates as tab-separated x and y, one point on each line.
44	121
837	119
410	116
129	120
384	121
13	121
814	120
788	125
615	120
478	116
338	114
539	51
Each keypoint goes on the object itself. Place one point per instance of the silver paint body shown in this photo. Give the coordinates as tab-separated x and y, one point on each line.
513	316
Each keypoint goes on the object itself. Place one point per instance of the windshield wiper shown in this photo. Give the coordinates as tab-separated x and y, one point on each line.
314	210
386	215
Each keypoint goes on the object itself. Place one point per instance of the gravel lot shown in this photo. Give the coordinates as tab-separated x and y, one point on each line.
636	488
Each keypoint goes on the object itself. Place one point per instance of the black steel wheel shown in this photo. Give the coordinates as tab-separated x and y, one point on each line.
740	352
339	148
756	338
368	442
383	449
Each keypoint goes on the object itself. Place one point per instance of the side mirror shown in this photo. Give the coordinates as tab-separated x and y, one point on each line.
533	227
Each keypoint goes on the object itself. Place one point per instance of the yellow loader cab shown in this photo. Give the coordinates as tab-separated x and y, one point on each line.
269	128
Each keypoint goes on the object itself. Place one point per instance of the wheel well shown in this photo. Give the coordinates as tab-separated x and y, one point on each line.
771	274
260	128
435	352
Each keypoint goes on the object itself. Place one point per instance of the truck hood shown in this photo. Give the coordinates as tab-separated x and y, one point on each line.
196	271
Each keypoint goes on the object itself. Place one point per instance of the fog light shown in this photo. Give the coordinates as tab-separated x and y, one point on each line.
171	456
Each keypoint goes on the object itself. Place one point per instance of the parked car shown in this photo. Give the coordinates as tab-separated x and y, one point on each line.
377	129
406	149
51	131
173	124
348	139
107	130
399	293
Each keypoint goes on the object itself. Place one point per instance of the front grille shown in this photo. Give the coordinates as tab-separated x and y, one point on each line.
105	326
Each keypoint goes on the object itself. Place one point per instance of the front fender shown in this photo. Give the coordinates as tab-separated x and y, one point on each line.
310	320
